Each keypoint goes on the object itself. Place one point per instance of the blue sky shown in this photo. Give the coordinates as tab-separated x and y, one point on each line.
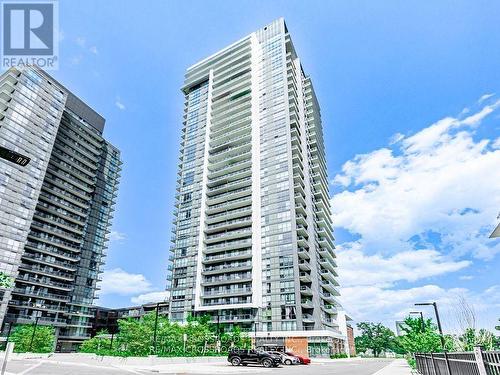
413	150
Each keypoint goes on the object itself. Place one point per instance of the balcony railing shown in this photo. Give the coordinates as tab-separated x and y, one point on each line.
228	256
39	294
227	291
37	258
43	319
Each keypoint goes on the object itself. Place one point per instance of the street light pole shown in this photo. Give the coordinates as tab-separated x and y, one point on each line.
434	304
255	329
218	325
156	326
440	329
33	334
421	318
218	332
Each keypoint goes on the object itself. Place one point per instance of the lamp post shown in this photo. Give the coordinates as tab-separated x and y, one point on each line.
218	332
33	334
434	305
421	318
218	325
255	329
156	324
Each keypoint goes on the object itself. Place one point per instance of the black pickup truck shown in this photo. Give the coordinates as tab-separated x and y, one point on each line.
258	357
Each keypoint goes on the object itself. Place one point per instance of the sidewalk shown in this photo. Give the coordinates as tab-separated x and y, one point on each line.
396	367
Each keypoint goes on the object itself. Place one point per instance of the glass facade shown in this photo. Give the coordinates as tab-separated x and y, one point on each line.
31	110
65	233
253	239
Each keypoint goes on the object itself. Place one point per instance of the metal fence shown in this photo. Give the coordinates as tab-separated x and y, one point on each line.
478	362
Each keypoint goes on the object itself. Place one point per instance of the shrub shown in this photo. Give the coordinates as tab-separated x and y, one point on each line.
411	361
135	338
98	344
339	355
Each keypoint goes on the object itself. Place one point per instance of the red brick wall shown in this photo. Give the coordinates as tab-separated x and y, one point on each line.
350	340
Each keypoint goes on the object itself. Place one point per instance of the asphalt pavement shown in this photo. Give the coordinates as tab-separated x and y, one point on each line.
333	367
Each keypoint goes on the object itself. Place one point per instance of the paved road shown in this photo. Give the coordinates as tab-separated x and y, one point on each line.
51	367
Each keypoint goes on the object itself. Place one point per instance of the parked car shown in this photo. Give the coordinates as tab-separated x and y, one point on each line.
287	359
303	360
245	357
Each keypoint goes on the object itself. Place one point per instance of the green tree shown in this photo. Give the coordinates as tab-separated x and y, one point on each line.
418	337
136	338
472	338
496	343
496	338
43	340
6	281
376	337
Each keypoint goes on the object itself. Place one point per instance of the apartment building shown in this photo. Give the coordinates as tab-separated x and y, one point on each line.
107	318
56	211
252	237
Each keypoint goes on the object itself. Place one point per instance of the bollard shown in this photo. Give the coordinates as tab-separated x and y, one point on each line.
8	351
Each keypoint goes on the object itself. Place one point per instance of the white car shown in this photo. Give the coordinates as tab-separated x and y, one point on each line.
286	359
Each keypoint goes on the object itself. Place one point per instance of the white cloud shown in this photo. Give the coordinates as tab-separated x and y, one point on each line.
485	97
396	138
383	270
418	209
118	281
150	297
496	144
440	182
374	303
116	236
466	277
119	104
94	50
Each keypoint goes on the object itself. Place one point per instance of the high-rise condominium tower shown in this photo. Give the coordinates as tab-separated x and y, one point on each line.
253	243
56	211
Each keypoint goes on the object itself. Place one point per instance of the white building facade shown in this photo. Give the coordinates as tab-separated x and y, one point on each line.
253	238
